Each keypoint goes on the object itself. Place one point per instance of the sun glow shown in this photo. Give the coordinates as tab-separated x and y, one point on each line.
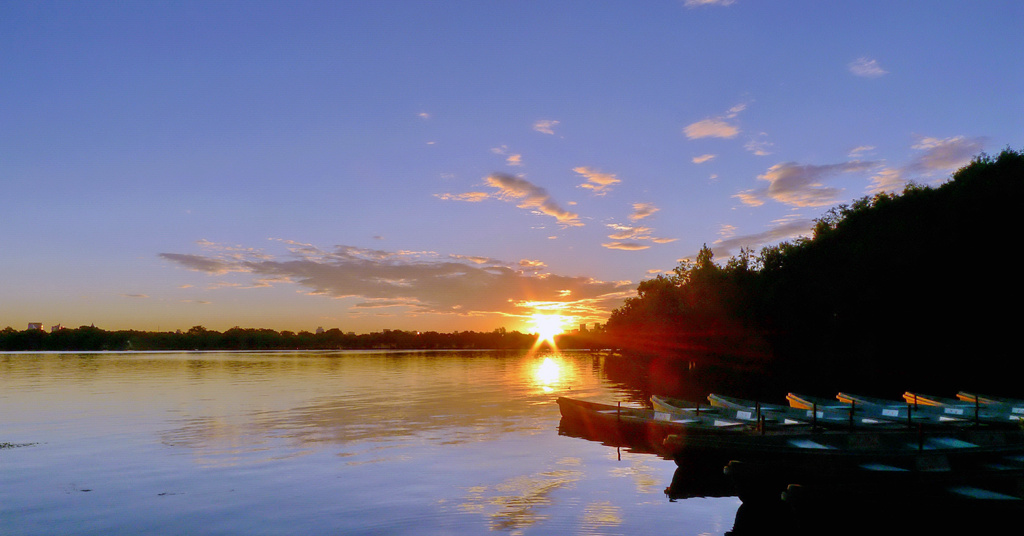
547	327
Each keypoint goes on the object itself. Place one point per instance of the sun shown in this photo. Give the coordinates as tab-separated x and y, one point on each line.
547	326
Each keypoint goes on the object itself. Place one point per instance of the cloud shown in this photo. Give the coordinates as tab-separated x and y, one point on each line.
596	181
857	152
698	3
802	185
626	232
715	127
642	210
531	196
711	128
703	158
626	246
939	156
546	126
759	146
632	237
782	231
469	197
510	158
422	282
866	67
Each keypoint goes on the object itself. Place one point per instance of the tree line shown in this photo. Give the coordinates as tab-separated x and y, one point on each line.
917	290
91	338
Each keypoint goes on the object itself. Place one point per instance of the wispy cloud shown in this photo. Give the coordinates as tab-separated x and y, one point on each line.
858	152
530	196
525	193
419	282
471	197
512	159
716	127
803	185
698	3
635	237
759	145
597	181
938	156
642	210
703	158
866	67
545	126
788	229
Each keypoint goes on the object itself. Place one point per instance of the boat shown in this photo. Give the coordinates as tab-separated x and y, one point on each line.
833	415
639	428
801	401
1015	403
750	414
901	411
676	405
990	414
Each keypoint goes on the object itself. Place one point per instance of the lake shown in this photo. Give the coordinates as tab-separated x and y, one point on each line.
345	442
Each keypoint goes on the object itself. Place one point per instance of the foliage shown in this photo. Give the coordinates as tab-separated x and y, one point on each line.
895	287
90	338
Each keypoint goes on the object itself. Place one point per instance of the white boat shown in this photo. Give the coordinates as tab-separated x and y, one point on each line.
976	411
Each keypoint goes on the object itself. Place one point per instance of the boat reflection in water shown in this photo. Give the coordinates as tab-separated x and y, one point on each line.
961	480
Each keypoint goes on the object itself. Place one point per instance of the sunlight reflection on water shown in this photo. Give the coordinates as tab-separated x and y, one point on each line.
320	443
548	374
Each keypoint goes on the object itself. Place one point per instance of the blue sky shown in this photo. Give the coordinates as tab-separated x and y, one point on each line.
457	165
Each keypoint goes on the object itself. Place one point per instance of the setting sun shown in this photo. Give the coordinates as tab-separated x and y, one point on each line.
547	326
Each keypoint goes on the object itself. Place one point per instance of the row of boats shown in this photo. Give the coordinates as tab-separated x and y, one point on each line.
923	442
858	411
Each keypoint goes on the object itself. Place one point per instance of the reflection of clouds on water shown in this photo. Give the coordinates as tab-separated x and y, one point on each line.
641	474
382	400
518	503
600	514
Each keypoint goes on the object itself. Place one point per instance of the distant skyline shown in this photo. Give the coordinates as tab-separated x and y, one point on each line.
449	166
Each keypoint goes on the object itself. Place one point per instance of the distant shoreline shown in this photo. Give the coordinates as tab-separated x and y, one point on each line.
198	338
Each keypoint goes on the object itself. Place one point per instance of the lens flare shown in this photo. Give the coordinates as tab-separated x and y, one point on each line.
547	327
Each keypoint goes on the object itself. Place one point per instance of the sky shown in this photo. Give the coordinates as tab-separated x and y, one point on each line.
458	165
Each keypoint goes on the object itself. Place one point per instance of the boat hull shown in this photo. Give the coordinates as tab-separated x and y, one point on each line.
639	429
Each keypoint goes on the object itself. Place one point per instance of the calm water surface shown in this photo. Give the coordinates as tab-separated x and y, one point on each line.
322	443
